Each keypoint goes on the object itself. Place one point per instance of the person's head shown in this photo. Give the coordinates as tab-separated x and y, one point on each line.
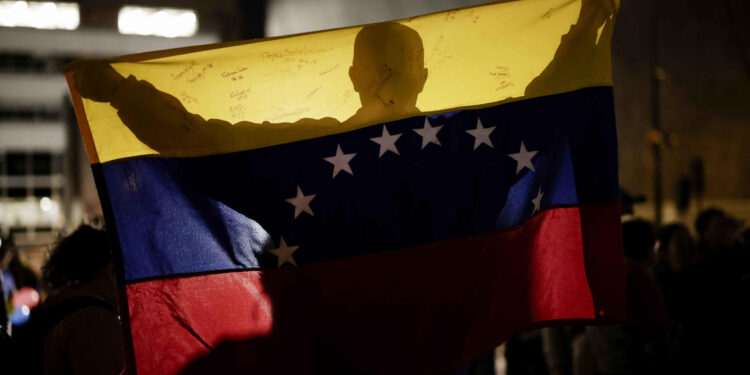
706	219
638	239
676	246
388	67
78	257
716	229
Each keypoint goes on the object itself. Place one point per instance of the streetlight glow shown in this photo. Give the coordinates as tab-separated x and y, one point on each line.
45	204
166	22
39	15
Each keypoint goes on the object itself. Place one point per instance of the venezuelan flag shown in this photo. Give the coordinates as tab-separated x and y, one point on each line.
391	198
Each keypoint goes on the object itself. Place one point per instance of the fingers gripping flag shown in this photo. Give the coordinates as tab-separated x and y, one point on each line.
394	198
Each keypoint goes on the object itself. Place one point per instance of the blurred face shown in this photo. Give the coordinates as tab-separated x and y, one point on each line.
722	232
681	250
34	258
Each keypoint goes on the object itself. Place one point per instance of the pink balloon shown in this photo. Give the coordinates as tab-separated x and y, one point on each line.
26	296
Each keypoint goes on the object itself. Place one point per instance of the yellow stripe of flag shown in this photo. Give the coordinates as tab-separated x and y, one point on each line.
244	95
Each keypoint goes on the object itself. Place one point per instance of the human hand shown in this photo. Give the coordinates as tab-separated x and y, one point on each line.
97	81
597	11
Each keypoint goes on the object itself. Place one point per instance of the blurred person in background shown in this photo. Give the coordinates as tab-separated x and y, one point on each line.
20	288
33	259
718	235
76	330
714	336
676	249
15	274
640	345
673	270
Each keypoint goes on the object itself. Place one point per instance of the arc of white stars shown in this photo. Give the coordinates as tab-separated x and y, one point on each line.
481	135
537	202
429	133
284	253
387	142
301	203
341	161
523	158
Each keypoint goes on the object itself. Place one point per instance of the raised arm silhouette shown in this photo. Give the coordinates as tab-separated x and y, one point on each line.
387	72
576	55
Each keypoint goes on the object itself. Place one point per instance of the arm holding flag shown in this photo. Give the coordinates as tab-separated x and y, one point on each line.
388	73
160	120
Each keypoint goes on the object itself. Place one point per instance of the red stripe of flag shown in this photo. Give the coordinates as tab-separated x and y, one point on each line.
381	313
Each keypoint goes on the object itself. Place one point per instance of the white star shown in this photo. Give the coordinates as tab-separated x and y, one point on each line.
301	203
481	135
341	161
284	253
537	201
428	133
523	158
387	142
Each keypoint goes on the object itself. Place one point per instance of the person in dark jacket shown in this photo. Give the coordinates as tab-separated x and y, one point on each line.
77	328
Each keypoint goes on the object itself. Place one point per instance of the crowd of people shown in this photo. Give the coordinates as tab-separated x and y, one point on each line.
686	298
687	308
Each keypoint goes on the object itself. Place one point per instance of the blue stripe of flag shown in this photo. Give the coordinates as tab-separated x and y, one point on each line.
213	213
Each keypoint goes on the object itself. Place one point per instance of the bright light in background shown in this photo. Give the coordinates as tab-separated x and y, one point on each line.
39	15
45	204
50	210
165	22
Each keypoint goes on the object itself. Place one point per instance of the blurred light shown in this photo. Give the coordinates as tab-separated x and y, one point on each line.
26	297
20	315
39	15
165	22
45	204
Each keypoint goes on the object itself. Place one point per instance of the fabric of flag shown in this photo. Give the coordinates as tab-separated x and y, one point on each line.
394	198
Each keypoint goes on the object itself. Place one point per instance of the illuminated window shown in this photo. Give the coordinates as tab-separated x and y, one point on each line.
39	15
166	22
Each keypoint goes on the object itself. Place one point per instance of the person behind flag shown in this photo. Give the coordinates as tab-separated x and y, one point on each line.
387	72
390	92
